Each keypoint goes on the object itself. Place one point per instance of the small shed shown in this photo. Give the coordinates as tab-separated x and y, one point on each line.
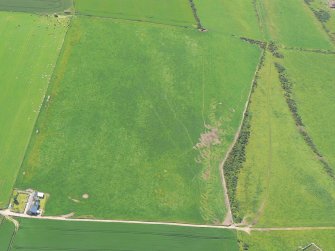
332	4
40	195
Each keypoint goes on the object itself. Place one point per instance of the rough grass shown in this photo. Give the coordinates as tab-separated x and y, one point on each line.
56	235
287	240
282	183
6	231
292	24
128	104
29	46
174	12
36	6
313	77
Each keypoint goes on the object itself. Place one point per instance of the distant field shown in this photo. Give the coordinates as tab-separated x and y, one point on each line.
225	17
288	240
324	14
128	105
35	6
314	77
292	24
282	183
6	233
29	46
56	235
176	12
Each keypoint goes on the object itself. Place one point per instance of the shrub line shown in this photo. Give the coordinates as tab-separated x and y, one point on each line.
287	87
196	16
236	156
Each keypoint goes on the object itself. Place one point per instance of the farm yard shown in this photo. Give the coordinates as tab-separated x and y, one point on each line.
180	112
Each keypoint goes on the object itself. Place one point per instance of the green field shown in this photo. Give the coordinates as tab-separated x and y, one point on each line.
225	17
324	14
288	240
282	183
6	233
292	24
174	12
23	81
128	104
313	76
56	235
35	6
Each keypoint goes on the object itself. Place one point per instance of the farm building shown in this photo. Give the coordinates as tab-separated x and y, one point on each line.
332	4
34	208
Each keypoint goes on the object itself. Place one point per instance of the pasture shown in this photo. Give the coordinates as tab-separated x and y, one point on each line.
292	24
313	77
57	235
288	240
23	81
225	17
128	104
6	233
36	6
173	12
282	183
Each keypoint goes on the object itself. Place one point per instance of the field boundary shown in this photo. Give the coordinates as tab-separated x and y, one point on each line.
133	20
196	16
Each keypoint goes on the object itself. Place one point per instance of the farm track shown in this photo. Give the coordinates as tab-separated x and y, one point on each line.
9	215
229	217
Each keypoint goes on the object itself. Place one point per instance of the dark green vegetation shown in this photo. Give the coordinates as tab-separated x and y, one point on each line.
129	102
174	12
54	235
6	233
287	240
23	81
36	6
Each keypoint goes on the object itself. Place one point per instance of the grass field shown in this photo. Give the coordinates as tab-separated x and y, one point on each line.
314	76
6	233
324	14
54	235
225	17
128	104
35	6
29	45
174	12
288	240
292	24
282	183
